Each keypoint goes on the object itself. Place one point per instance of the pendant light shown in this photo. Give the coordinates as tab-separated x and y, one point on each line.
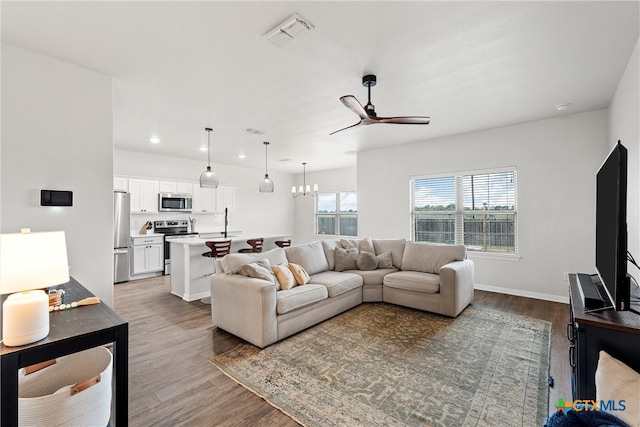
266	184
208	179
304	189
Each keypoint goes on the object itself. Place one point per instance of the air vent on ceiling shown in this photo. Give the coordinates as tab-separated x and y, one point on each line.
294	27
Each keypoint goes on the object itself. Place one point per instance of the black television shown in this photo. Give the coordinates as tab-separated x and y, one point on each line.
611	227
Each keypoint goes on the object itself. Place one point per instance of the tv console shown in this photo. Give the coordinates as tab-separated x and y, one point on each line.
616	332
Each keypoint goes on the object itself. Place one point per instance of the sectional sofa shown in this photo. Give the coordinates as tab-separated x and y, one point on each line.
250	300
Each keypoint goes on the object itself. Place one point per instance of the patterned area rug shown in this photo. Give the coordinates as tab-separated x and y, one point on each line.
384	365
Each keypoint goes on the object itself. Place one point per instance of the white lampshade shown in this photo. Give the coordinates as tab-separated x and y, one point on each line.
315	187
29	262
32	261
293	189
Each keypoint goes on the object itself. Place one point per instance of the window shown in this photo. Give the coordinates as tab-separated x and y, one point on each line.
474	209
337	213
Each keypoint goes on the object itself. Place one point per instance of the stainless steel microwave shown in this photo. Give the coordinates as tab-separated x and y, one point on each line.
175	202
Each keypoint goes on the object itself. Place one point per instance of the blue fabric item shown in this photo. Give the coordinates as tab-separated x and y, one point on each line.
584	418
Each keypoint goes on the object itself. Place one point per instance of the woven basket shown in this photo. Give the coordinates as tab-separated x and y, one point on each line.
75	391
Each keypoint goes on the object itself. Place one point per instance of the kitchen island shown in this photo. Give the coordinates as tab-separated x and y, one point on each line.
190	271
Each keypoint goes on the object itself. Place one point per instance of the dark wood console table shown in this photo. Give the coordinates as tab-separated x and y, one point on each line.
71	331
616	332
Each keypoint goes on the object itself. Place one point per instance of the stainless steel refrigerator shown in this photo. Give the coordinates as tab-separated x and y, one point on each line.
121	236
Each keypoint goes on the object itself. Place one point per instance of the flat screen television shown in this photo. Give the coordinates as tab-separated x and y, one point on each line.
611	227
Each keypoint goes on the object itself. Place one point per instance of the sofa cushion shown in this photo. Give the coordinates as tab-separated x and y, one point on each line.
395	246
617	381
337	283
385	260
345	259
373	277
300	274
284	276
298	297
232	263
328	246
430	257
365	244
260	269
367	261
413	281
310	256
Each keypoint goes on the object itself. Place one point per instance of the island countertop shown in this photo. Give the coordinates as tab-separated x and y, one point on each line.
194	241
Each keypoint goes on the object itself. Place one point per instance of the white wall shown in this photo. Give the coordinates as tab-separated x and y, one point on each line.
57	134
624	116
556	160
334	180
256	213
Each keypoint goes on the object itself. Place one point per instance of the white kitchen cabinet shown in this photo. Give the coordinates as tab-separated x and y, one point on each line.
120	183
148	255
204	200
225	198
144	195
185	187
167	187
176	187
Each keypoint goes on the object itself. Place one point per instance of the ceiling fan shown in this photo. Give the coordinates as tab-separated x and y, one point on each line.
368	114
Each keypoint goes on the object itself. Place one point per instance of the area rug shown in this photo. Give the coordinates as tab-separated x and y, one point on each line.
384	365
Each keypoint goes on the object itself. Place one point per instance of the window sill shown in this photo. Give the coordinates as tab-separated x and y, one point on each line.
495	256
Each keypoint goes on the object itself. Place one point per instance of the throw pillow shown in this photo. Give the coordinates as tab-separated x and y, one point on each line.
345	259
362	245
367	261
260	270
617	381
300	274
385	260
285	276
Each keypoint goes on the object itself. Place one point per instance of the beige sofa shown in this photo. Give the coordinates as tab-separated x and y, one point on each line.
431	277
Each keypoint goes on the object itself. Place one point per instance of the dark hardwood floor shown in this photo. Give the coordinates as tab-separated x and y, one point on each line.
172	383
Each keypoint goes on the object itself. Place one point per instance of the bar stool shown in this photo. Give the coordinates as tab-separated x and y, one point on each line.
219	248
283	243
256	246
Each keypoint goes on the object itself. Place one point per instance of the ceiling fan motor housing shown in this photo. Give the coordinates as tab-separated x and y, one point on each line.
369	80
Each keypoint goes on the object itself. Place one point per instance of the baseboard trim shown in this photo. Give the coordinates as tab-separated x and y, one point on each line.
519	293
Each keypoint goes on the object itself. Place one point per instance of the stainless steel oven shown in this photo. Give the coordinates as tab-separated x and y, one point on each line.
172	229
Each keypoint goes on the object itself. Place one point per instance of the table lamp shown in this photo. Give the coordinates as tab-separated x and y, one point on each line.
29	262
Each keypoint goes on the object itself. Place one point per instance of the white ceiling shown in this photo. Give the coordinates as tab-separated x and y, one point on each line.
179	67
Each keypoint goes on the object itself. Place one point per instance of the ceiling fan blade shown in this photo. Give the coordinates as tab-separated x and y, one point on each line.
406	120
348	127
352	104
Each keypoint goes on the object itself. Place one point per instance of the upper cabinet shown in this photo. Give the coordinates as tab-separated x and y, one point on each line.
176	187
225	198
204	200
120	183
144	195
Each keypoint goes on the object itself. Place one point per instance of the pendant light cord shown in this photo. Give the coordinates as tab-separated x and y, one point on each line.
209	147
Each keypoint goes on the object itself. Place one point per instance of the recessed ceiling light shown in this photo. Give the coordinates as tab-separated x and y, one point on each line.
241	156
203	148
255	131
154	140
284	160
562	107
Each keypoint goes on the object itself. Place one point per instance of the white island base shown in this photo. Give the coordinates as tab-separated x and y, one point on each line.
190	271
